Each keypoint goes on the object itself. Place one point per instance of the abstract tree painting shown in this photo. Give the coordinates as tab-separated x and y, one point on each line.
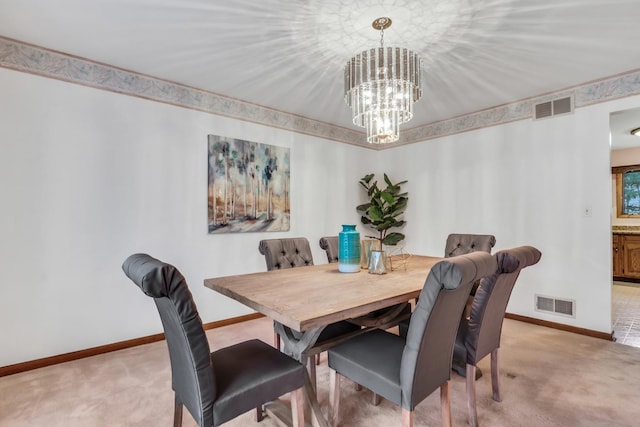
248	189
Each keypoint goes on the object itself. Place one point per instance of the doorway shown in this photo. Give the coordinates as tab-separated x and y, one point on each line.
625	309
625	295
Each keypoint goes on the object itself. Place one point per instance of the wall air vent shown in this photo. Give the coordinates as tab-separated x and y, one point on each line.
553	108
556	306
544	110
562	106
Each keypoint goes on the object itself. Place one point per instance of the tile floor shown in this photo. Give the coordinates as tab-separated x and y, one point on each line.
626	313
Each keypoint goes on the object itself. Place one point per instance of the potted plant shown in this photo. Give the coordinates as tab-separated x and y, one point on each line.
384	209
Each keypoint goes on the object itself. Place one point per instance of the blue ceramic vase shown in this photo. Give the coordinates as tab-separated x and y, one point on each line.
349	249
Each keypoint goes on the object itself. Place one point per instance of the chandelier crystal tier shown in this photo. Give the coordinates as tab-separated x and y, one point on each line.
381	84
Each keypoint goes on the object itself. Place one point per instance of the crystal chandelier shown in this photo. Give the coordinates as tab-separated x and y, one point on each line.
381	85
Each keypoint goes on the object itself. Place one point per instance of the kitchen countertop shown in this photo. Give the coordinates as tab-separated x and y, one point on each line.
625	229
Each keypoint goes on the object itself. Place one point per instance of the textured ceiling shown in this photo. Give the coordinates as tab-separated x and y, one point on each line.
289	55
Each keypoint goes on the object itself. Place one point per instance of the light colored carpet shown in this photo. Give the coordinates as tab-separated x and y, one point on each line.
548	378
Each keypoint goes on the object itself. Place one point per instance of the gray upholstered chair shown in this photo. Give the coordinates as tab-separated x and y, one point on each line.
291	253
479	334
459	244
330	246
215	387
407	371
286	253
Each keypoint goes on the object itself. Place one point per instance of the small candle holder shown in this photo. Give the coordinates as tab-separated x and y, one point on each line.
377	262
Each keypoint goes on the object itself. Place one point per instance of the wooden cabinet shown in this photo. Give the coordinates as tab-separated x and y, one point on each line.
617	255
626	256
631	256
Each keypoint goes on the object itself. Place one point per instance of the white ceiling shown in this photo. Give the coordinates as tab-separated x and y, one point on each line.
621	124
289	54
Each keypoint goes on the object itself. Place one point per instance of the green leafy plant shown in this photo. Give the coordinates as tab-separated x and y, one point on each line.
384	209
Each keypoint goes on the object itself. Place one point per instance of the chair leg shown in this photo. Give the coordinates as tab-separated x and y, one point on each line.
297	407
177	413
445	403
471	395
259	414
376	399
334	397
495	376
407	418
311	368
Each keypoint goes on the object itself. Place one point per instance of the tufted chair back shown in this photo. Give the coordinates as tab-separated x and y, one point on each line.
460	244
286	253
330	246
291	253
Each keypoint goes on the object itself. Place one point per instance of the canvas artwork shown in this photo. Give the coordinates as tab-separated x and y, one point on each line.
248	187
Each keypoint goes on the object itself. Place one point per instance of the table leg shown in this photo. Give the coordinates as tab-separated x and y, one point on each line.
385	317
296	347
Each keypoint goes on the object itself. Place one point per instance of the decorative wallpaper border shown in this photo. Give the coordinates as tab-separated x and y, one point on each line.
40	61
607	89
44	62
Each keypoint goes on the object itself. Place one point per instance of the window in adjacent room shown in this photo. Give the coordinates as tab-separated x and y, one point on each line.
627	190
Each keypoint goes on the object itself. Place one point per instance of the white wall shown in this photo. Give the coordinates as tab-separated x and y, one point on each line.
88	177
527	183
625	157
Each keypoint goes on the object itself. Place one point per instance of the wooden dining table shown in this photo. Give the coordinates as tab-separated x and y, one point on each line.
307	299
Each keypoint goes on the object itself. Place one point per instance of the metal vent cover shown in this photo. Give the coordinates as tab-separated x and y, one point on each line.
544	110
562	106
553	108
544	304
555	305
